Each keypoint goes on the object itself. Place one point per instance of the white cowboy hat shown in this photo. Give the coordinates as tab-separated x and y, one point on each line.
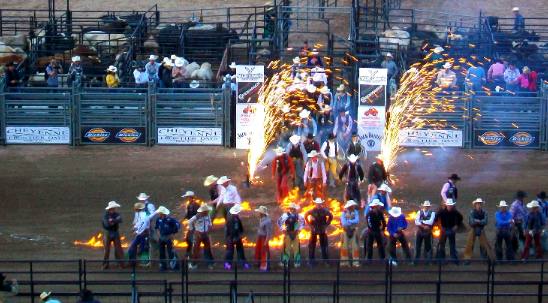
350	203
112	68
210	180
447	65
44	295
450	202
352	158
296	60
311	88
174	57
76	59
478	200
318	201
167	61
204	207
179	62
533	204
279	151
139	206
262	209
189	193
340	88
395	211
313	154
222	180
194	84
295	139
152	58
515	9
232	65
376	202
236	209
324	90
385	188
502	203
293	206
143	197
389	55
426	203
112	204
163	210
438	49
304	114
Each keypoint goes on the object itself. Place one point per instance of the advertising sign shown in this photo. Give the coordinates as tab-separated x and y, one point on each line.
507	138
37	135
245	115
372	107
430	138
124	135
249	79
190	136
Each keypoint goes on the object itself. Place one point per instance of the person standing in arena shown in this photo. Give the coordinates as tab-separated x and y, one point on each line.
534	226
298	154
315	177
234	232
477	219
350	219
354	174
111	222
318	218
519	214
201	225
264	234
376	225
192	205
149	209
395	227
310	144
449	189
166	228
282	169
450	219
424	220
376	176
330	152
503	224
228	196
291	223
141	229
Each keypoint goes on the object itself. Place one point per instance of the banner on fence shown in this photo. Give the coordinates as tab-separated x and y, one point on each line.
122	135
190	136
430	138
507	138
372	107
249	80
246	122
37	135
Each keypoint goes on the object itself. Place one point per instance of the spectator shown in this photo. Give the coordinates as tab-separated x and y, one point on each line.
264	234
166	227
166	81
393	70
533	78
52	73
314	59
200	225
534	226
446	78
475	77
376	224
511	75
495	74
177	73
75	70
503	224
424	220
46	298
450	219
519	21
303	52
2	77
86	296
437	57
350	218
8	289
12	76
395	226
111	222
112	77
140	76
152	69
477	219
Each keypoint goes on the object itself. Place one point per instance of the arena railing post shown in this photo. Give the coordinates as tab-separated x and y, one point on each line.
488	290
492	294
2	114
288	282
337	282
541	283
31	272
438	284
85	274
80	274
284	283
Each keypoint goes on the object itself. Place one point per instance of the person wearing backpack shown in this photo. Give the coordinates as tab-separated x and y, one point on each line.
166	227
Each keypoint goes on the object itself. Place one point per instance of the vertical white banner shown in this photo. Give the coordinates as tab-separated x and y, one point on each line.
372	107
245	120
249	80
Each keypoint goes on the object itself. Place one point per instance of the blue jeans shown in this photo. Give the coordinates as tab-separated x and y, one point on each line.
166	244
140	242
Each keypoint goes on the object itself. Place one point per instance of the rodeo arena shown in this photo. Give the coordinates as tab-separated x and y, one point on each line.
288	151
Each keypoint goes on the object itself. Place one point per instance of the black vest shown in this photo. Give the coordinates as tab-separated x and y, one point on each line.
452	191
295	151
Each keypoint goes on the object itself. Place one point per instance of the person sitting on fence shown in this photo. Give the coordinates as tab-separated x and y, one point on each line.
12	76
52	73
395	227
86	296
264	234
511	75
350	219
167	227
291	223
200	225
450	220
424	220
234	232
178	73
112	79
45	297
140	76
446	78
376	225
8	289
477	219
495	74
519	21
503	224
318	218
475	76
75	70
534	226
164	72
152	68
111	223
354	174
192	206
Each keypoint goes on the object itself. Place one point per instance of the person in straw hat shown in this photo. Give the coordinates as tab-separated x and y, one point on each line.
376	224
318	218
449	189
142	231
45	297
228	196
282	169
504	224
200	225
350	219
353	173
477	219
395	227
341	100
166	227
192	205
152	68
214	190
291	223
446	78
534	226
111	223
315	177
450	220
424	220
234	232
297	152
112	79
307	125
264	234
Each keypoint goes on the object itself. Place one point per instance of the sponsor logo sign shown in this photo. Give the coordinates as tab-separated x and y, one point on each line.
491	138
128	135
97	135
430	137
373	76
37	135
371	138
249	73
507	138
122	135
522	139
190	136
245	119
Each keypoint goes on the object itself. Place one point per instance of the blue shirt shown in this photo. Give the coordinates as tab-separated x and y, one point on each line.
166	226
395	223
503	219
519	23
353	220
475	76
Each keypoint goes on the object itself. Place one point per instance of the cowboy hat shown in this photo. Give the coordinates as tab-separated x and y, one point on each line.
222	180
194	84
311	88
395	211
293	206
139	206
167	61
210	180
454	177
152	58
385	188
179	62
44	295
143	197
296	60
279	151
313	154
426	203
188	193
376	202
304	114
438	49
349	204
340	88
515	9
163	210
478	200
352	158
204	207
502	203
174	57
236	209
112	204
447	65
533	204
295	139
262	209
521	194
389	55
318	201
112	68
76	59
324	90
450	202
232	65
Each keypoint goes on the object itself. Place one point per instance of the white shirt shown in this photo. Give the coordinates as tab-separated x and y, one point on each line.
229	195
281	222
140	77
332	149
141	222
318	75
428	222
200	224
